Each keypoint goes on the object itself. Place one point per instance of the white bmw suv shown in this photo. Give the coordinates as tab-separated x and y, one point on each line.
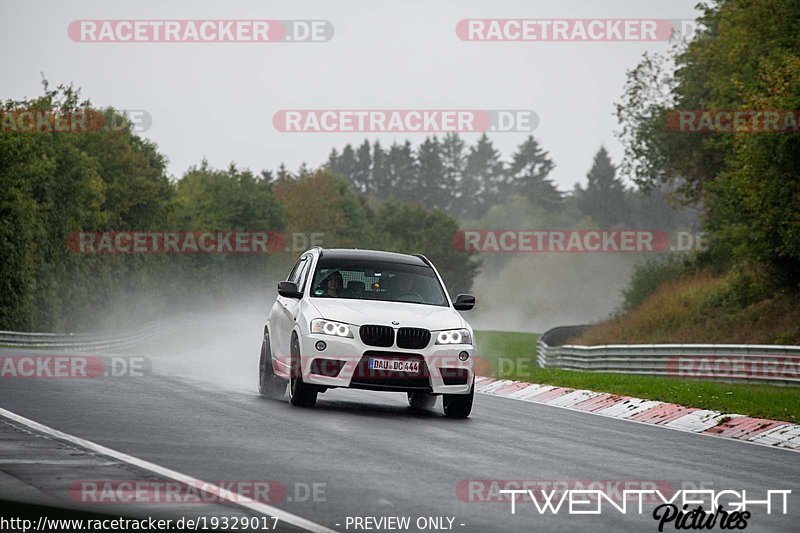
370	320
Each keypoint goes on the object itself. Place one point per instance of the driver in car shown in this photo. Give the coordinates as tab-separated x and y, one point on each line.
403	285
332	285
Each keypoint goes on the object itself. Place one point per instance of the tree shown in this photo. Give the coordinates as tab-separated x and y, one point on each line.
604	198
323	202
402	172
409	228
346	163
282	174
427	188
381	173
333	160
527	176
55	184
744	58
482	179
362	170
231	199
453	162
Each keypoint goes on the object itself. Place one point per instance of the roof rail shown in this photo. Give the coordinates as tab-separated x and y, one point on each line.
317	248
424	259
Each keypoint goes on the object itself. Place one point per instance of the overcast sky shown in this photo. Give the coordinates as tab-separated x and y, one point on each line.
217	100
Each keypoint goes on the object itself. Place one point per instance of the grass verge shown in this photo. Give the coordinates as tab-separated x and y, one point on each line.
731	308
511	355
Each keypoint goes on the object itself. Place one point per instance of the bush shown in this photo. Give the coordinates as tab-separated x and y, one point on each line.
650	274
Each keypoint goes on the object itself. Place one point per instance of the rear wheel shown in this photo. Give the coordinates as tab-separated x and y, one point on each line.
421	400
300	394
458	405
269	384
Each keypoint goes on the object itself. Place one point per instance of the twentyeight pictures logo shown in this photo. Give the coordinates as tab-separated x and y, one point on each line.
200	31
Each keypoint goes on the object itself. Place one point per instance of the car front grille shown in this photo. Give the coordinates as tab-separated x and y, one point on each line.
373	335
413	338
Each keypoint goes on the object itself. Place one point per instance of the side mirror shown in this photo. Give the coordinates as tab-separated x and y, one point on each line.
464	302
289	290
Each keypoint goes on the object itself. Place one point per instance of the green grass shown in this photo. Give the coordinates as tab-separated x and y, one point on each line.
512	355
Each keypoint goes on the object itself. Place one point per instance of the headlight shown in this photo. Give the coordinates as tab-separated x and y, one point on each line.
454	336
329	327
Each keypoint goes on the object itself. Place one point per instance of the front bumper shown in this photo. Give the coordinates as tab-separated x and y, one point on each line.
442	372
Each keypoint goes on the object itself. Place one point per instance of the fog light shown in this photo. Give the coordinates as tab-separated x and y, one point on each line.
320	346
463	356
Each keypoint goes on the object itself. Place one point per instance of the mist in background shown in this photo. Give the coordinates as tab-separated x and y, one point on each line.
212	160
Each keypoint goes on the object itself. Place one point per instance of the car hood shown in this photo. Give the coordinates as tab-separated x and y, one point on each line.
360	312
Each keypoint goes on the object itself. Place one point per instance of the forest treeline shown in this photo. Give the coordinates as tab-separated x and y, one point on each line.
402	198
467	181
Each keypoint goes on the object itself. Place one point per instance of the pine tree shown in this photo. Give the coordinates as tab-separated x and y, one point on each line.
604	198
482	178
345	163
302	170
427	187
528	176
402	172
381	173
453	162
333	160
361	176
283	174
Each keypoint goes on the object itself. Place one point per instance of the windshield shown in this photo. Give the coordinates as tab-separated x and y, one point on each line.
377	280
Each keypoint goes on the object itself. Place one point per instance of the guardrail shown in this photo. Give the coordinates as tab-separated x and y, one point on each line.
753	363
88	341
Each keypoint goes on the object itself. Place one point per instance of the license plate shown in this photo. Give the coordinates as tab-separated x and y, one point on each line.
395	365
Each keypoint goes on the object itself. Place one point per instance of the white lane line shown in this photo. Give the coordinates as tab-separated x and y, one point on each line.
209	488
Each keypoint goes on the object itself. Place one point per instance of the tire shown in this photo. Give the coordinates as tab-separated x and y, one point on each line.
458	405
300	394
269	384
421	400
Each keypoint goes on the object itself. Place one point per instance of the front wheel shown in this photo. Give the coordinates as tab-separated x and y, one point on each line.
269	384
300	394
458	405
